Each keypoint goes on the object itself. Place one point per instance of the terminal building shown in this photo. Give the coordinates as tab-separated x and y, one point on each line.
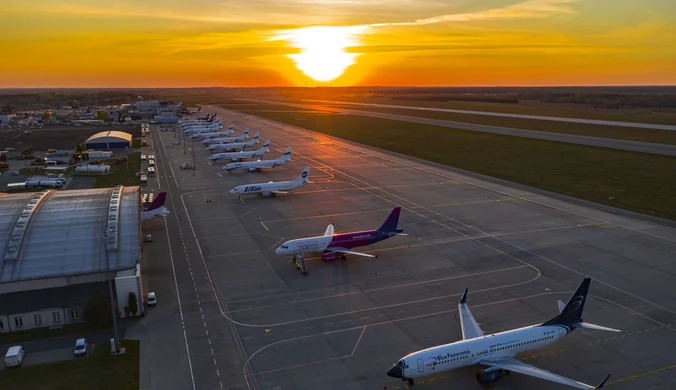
57	249
109	140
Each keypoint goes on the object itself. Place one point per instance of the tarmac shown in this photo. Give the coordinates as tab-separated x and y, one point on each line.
612	143
238	316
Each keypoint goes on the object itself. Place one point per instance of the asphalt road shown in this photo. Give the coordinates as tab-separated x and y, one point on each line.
634	146
248	320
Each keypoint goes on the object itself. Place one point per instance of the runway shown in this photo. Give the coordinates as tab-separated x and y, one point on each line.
265	326
634	146
508	115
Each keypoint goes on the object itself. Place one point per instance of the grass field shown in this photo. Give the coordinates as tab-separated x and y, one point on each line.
99	371
634	181
617	132
42	333
530	108
118	173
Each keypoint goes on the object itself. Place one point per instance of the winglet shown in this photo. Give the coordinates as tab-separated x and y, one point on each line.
463	300
602	383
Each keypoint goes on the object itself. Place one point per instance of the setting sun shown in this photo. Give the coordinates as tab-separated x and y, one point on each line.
323	56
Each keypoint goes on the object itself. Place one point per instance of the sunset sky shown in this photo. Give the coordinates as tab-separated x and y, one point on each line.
172	43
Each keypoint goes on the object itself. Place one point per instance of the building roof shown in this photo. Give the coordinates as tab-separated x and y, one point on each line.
64	235
109	136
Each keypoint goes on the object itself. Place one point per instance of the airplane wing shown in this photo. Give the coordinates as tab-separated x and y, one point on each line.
279	192
470	328
348	252
514	365
329	230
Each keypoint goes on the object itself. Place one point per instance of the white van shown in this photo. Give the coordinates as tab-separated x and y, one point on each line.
14	356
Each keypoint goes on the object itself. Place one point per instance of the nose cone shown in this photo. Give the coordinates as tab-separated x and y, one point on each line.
233	191
395	372
279	251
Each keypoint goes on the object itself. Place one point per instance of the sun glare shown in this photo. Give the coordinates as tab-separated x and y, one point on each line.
323	56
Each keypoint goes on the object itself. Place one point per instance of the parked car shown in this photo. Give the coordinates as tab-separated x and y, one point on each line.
187	165
149	238
14	356
152	301
80	347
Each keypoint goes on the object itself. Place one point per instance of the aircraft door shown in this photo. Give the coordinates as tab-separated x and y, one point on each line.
421	366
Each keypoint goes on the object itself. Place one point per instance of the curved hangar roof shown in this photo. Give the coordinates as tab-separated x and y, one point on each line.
63	232
109	136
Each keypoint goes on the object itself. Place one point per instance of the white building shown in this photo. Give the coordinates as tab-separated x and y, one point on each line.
56	252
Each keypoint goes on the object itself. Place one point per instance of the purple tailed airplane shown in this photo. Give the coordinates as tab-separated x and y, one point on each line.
332	246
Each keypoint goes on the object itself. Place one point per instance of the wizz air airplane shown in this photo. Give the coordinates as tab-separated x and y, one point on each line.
212	134
332	246
225	140
259	164
272	188
496	351
193	112
233	146
235	156
156	209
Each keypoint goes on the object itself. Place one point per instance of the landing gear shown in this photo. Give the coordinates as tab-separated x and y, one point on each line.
343	257
300	263
410	381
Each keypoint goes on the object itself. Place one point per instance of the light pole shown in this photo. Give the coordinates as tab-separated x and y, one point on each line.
116	336
193	154
126	152
183	136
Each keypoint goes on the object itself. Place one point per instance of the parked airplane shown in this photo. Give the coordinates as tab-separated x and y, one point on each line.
212	133
199	122
210	128
497	350
259	164
224	133
156	209
235	156
233	146
193	112
333	245
225	140
272	188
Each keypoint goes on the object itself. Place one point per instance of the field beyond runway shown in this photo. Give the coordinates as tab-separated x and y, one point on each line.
344	324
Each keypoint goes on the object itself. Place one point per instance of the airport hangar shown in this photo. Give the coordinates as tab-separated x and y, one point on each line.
109	140
54	249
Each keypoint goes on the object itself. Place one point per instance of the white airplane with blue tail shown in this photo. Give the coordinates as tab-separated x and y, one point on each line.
496	351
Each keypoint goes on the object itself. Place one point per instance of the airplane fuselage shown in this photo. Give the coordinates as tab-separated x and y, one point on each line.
236	145
253	165
322	244
469	352
234	156
266	189
223	140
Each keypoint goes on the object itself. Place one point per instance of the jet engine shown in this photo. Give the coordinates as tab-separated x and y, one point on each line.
491	375
253	169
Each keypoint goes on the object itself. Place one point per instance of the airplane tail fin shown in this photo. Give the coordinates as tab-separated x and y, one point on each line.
286	156
158	202
255	137
390	224
303	178
245	133
329	230
266	146
571	313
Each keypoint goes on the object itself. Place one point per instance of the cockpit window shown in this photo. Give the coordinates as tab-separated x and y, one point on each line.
401	363
285	247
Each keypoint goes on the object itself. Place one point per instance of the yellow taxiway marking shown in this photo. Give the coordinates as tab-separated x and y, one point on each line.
641	374
241	200
266	228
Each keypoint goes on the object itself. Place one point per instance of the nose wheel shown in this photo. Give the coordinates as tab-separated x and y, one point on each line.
300	263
